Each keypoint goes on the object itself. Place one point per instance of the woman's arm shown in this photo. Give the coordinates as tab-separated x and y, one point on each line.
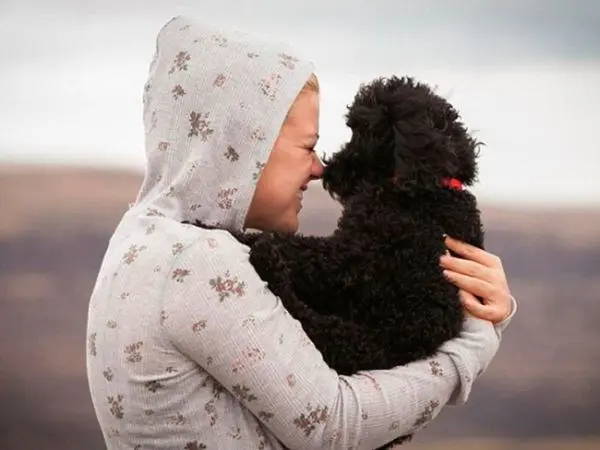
316	279
355	322
250	340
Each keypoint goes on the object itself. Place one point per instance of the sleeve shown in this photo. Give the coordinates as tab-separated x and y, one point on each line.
501	326
250	344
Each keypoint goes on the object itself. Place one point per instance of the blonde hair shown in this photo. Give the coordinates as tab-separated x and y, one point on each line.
312	85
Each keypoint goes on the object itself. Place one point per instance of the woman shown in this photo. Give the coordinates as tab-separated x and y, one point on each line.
187	347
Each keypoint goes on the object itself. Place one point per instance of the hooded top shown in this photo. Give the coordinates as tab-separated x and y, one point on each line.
186	346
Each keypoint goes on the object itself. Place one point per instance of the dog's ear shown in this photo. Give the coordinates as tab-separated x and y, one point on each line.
460	143
431	144
401	132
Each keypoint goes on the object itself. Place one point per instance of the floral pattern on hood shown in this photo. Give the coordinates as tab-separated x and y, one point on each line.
214	104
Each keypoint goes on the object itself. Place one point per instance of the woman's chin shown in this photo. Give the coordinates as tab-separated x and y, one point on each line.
289	223
284	222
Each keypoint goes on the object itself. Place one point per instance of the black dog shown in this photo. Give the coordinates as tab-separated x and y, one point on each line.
372	295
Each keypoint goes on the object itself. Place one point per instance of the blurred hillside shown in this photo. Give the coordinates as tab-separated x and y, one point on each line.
542	390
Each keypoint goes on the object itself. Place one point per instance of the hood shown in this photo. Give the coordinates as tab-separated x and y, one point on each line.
214	103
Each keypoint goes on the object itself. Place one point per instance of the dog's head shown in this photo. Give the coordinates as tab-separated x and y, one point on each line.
403	134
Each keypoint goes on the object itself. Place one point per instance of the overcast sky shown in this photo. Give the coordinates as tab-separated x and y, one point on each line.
525	75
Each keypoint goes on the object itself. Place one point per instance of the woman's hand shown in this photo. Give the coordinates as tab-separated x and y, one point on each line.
478	273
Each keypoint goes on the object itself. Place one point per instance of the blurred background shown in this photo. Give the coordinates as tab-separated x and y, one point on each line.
524	74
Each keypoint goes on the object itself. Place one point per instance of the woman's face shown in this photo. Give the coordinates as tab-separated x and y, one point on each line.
291	165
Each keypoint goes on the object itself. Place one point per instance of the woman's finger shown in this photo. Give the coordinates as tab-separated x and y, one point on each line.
465	297
467	267
475	286
475	308
473	253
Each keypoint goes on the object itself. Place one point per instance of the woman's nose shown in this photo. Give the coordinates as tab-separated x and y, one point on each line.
316	171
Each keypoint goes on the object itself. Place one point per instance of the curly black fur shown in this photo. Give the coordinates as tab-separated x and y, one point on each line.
372	295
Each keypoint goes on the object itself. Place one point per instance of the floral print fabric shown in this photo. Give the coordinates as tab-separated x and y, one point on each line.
186	347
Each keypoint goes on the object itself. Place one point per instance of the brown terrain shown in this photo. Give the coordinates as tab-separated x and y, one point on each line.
541	392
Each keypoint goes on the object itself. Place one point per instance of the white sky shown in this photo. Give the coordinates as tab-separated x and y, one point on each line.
524	74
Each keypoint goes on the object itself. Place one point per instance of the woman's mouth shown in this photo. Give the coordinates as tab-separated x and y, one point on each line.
300	197
300	194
